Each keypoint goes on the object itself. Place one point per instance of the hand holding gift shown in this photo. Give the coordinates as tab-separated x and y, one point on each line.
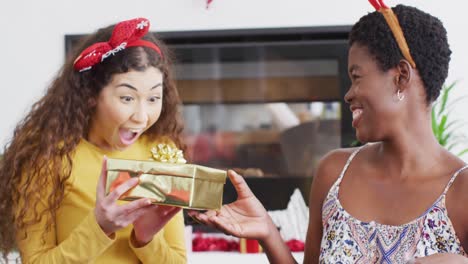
152	220
147	219
246	217
111	216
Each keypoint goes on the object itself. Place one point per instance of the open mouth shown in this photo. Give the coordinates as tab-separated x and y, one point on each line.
357	113
128	136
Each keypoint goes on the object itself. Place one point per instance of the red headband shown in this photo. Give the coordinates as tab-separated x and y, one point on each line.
125	34
395	27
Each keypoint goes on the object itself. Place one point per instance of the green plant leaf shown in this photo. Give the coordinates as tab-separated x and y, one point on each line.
454	122
434	123
355	143
445	94
450	146
442	123
455	102
444	139
463	152
455	128
446	130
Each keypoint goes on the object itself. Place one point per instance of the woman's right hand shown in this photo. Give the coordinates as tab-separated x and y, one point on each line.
111	216
246	217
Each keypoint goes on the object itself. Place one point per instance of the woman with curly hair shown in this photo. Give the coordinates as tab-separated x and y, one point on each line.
402	197
114	97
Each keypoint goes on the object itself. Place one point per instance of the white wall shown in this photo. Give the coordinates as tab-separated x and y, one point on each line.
32	42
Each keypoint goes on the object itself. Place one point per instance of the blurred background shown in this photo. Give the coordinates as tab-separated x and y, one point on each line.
262	82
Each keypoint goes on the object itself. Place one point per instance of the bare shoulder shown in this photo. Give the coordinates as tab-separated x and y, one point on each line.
457	198
331	165
329	169
457	192
327	172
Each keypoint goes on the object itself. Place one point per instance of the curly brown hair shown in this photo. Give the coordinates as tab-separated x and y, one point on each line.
41	150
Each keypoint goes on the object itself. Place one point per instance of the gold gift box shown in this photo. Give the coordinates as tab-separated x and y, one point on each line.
184	185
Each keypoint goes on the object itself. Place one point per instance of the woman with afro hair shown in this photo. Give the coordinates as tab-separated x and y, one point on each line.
400	198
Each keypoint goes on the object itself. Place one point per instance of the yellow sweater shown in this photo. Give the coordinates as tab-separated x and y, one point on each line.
77	237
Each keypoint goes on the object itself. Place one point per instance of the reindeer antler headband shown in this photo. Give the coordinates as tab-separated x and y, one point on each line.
125	34
395	27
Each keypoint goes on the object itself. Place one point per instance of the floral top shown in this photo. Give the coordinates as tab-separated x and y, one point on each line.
348	240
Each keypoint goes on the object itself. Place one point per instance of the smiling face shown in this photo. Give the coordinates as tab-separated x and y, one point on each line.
126	107
372	96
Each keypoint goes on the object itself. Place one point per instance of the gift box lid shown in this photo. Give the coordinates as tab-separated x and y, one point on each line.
160	168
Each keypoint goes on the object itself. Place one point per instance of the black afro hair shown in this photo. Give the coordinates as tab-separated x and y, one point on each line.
426	38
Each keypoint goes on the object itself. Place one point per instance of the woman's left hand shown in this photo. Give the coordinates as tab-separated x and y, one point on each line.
440	259
151	222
